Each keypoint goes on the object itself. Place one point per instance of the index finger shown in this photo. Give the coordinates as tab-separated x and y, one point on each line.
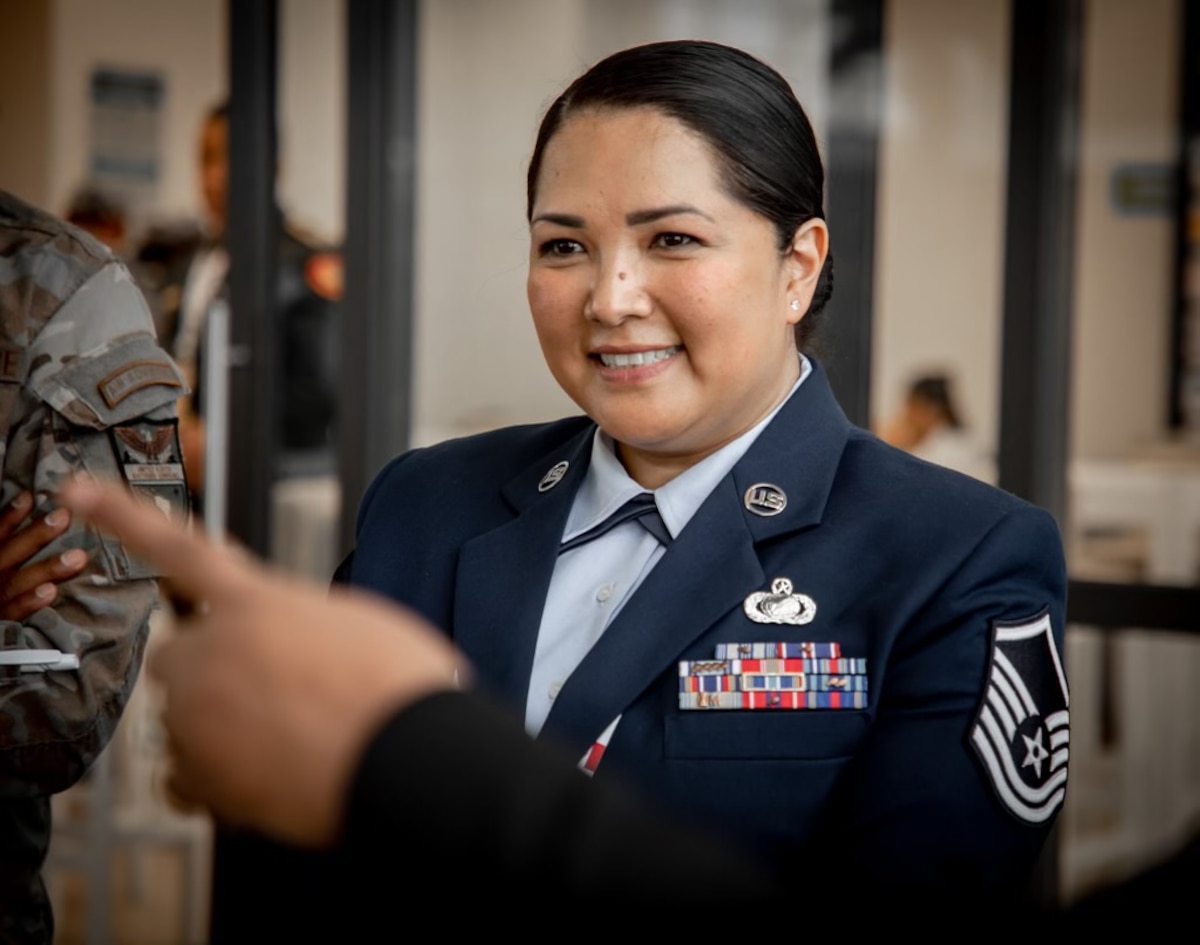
194	565
18	510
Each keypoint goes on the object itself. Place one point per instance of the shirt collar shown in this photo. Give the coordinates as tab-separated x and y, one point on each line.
607	486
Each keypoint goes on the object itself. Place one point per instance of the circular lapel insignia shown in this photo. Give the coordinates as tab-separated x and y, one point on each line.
553	476
780	605
765	498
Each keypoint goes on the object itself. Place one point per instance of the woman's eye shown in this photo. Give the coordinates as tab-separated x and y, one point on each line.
560	247
673	240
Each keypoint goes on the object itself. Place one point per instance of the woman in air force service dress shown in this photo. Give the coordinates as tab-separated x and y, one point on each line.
809	642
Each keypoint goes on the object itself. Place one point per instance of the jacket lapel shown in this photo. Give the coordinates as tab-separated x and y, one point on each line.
704	573
710	568
503	574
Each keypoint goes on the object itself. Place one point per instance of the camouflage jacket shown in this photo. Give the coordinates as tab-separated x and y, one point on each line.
83	386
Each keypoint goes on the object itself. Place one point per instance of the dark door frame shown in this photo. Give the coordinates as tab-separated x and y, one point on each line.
254	435
376	397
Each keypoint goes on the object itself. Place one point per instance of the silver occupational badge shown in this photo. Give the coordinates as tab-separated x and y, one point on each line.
780	605
1022	732
765	498
553	476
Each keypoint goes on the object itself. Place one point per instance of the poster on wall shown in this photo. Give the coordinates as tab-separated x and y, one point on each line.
126	136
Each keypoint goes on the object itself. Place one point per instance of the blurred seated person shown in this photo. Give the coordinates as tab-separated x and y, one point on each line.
930	426
190	266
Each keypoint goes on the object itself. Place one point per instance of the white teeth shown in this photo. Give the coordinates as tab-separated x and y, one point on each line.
637	358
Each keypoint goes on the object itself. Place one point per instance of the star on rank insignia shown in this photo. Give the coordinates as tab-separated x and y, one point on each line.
1021	733
151	461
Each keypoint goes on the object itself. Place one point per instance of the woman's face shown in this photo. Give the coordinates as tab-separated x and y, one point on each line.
663	305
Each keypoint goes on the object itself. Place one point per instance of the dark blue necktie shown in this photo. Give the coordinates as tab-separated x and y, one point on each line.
641	507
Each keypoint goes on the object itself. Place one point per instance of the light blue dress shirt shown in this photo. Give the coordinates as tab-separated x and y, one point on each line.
591	583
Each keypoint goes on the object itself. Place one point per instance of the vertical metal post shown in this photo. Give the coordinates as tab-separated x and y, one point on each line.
253	430
1039	249
852	161
251	238
376	385
216	418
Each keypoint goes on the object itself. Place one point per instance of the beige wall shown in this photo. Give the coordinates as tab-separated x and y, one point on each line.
486	72
941	213
1123	264
63	41
24	97
940	210
184	40
312	110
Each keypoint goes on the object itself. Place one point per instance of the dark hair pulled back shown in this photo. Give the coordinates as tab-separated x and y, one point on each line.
743	108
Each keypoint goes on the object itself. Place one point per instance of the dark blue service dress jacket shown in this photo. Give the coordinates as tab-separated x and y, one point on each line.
952	591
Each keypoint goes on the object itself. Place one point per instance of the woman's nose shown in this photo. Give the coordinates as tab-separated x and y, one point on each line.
618	293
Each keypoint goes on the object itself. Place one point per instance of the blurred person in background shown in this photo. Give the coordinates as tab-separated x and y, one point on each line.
84	387
929	425
190	268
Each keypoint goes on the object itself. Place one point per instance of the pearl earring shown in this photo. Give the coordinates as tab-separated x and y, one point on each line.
795	305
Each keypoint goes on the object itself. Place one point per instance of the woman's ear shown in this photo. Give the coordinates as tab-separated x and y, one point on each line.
803	265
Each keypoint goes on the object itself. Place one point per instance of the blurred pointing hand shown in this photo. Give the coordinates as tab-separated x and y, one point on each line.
274	687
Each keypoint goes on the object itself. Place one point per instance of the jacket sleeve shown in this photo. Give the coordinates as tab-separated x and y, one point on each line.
454	784
94	373
920	807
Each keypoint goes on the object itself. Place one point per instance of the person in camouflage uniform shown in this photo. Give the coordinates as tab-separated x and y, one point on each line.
83	387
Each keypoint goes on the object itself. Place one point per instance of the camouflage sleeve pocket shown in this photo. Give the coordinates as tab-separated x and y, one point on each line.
128	380
119	408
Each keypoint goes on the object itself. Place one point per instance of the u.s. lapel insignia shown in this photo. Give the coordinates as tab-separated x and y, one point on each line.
553	476
780	605
1022	732
765	498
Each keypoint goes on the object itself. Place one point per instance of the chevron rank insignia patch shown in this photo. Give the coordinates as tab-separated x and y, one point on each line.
1021	732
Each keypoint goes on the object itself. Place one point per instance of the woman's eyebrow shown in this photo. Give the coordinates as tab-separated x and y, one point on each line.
562	219
638	217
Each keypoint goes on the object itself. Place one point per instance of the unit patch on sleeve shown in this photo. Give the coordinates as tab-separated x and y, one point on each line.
151	461
1021	732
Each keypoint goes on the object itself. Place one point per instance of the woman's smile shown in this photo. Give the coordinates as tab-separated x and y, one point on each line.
634	365
618	359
